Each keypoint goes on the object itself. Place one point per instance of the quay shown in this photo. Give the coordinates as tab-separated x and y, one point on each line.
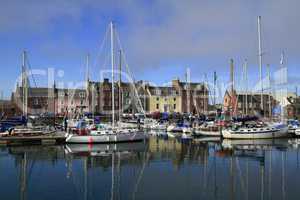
57	138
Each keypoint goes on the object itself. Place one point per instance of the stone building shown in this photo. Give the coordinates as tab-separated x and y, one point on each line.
129	98
142	97
51	100
241	103
292	110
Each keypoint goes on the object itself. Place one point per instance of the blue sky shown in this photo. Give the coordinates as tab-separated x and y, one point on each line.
160	38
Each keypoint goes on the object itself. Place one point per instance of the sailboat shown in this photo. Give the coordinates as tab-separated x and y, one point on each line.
263	130
113	133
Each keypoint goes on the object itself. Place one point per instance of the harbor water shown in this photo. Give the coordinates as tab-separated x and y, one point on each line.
203	168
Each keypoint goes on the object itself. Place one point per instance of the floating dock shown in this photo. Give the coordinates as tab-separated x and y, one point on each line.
54	138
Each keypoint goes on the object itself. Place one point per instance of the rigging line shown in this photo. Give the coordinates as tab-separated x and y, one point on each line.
101	47
30	69
129	72
106	59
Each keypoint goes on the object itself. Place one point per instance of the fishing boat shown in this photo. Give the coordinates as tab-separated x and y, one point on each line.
115	133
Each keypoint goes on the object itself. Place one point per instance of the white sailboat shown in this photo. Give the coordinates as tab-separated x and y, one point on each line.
255	133
208	129
259	132
114	133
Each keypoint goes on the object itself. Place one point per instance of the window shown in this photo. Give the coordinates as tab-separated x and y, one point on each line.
36	101
157	92
62	102
174	99
81	102
174	106
157	106
157	98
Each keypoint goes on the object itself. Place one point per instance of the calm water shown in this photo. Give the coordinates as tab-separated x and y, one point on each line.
157	169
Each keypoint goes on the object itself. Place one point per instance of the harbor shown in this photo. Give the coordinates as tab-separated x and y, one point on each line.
209	170
149	100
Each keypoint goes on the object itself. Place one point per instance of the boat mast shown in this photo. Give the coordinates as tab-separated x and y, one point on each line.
260	61
246	83
270	90
112	72
87	81
215	83
2	103
24	84
120	77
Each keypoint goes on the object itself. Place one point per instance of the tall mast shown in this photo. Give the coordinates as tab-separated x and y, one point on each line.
24	84
112	72
283	80
2	106
246	84
260	61
187	81
87	82
120	77
270	90
232	106
215	83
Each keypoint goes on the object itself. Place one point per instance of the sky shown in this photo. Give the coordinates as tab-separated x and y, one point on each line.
160	39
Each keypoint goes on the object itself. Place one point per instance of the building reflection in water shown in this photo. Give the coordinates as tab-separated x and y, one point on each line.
208	169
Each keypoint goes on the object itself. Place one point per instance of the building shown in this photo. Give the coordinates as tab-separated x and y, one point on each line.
129	98
142	97
292	109
179	97
7	108
241	103
50	100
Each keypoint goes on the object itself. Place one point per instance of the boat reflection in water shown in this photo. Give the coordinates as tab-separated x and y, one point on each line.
156	169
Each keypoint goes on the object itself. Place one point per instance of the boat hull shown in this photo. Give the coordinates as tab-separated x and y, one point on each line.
258	135
208	133
105	138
